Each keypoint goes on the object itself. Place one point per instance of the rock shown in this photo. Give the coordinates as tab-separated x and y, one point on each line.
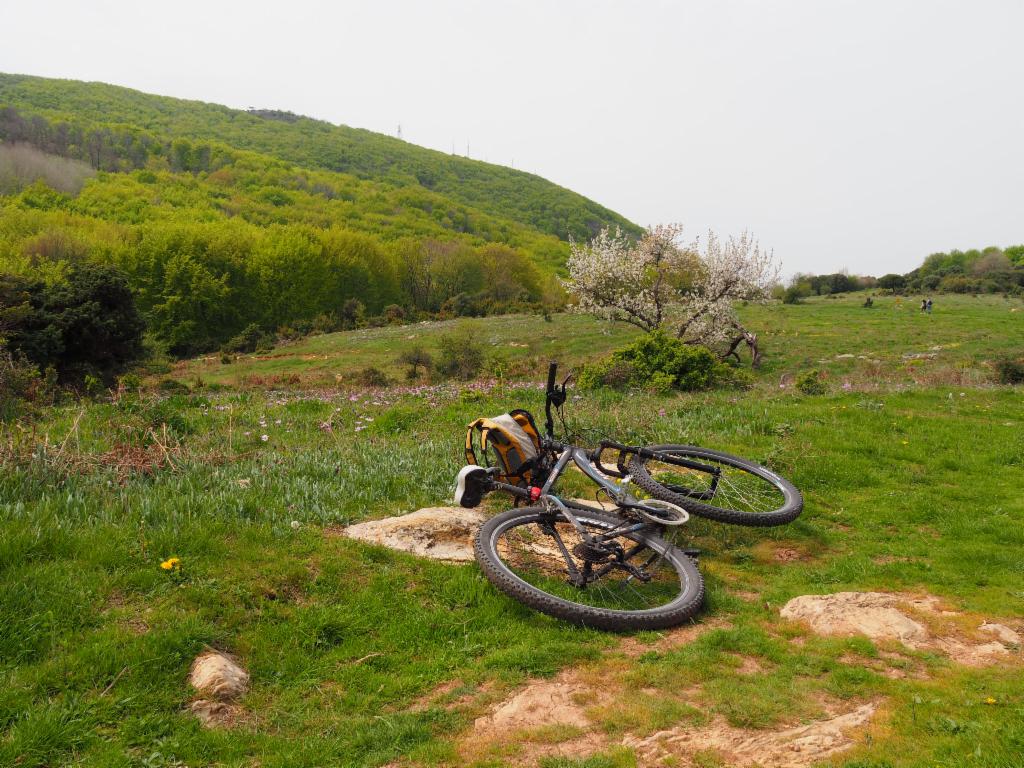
846	356
796	747
441	533
217	676
221	680
1003	633
879	616
855	613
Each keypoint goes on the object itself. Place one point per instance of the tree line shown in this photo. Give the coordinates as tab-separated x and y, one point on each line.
986	270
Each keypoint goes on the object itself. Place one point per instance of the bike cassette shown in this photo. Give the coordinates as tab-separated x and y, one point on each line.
597	554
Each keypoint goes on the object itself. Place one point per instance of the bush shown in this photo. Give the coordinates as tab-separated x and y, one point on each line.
1010	370
252	339
21	385
606	373
811	383
460	355
416	358
86	326
373	377
654	361
795	294
394	314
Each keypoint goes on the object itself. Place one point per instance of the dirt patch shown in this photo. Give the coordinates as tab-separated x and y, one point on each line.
794	747
540	704
220	680
668	639
544	718
441	533
917	621
775	552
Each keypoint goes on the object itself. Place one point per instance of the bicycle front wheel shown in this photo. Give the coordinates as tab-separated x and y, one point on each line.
630	580
718	486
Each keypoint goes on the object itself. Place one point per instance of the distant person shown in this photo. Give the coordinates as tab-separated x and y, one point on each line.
928	305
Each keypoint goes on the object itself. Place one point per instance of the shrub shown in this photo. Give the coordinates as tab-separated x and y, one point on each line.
1010	370
21	385
795	293
373	377
394	314
460	354
811	382
732	376
606	373
87	325
252	339
324	323
353	314
416	358
654	361
172	385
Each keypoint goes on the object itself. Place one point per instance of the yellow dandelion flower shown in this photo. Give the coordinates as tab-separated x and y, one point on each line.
990	700
171	564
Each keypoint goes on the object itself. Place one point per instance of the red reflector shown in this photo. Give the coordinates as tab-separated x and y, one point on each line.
534	493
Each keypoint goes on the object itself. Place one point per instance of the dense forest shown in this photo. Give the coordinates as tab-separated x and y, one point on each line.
120	129
215	237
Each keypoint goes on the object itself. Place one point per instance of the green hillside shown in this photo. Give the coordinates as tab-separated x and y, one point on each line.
314	144
224	221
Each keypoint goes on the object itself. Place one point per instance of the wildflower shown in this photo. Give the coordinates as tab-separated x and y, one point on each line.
906	442
171	564
264	438
990	700
661	412
295	525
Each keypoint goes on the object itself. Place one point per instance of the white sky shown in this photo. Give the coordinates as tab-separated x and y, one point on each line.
858	134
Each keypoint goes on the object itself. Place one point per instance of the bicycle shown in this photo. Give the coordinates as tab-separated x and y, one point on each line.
612	570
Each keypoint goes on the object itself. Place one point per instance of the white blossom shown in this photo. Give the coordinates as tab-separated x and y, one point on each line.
659	283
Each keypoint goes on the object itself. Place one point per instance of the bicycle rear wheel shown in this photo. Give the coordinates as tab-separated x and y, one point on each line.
540	559
718	486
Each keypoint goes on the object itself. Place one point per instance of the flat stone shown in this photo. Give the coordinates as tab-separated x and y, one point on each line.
1002	633
440	533
873	614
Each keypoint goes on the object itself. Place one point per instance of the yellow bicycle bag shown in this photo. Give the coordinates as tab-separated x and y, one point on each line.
514	439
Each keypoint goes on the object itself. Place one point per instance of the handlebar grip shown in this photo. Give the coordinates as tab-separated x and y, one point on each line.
552	372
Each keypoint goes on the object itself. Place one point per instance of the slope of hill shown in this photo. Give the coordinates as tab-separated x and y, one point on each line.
223	219
314	144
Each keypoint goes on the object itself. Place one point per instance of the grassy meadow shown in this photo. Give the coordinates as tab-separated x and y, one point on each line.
912	467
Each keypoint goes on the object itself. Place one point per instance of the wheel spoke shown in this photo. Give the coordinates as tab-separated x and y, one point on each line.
555	564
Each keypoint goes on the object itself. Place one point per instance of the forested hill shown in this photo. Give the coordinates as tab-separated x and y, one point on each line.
136	125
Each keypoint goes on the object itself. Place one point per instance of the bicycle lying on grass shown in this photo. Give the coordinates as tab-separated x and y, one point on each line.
610	569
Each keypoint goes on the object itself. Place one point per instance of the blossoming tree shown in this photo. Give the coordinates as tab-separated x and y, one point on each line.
657	282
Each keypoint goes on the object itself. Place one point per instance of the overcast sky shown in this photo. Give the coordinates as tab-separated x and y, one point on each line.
862	135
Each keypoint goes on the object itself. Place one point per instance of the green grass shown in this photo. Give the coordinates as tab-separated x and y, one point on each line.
850	343
908	487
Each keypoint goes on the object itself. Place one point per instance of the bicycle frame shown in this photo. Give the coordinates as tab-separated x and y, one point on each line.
589	463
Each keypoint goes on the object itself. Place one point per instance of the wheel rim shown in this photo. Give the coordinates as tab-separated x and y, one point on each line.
533	556
737	489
